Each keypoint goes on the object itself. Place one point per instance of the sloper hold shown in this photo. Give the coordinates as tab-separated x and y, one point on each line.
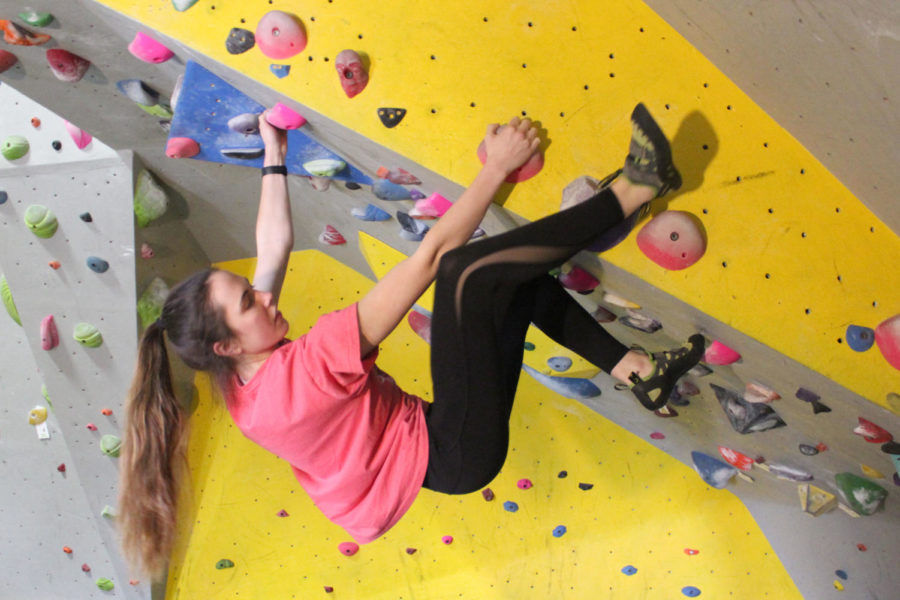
240	153
111	445
81	137
280	35
352	72
182	147
324	167
887	336
41	221
672	239
757	392
280	71
712	470
97	265
19	36
183	5
787	472
815	501
87	335
246	123
285	118
148	49
719	354
384	189
67	66
150	200
573	388
736	459
137	91
532	166
859	338
391	117
14	147
746	417
578	280
420	323
863	496
49	333
239	40
370	213
872	432
7	60
6	297
560	364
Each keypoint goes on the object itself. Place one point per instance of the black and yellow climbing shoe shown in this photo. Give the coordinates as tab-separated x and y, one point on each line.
654	390
649	160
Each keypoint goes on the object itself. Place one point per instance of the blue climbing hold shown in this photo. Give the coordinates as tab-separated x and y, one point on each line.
690	591
629	570
574	388
841	573
387	190
98	265
3	197
510	506
280	71
559	531
712	470
860	338
559	363
370	213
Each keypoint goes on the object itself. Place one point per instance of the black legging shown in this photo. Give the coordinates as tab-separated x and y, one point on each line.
486	295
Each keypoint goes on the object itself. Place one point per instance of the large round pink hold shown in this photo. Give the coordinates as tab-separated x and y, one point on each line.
149	50
280	35
887	336
531	167
672	240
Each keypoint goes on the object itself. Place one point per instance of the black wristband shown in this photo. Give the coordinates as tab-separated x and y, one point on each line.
277	169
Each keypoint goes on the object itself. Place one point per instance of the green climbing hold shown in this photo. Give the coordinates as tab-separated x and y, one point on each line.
14	146
863	496
88	335
105	584
108	512
151	302
110	445
7	298
183	5
38	19
224	564
324	167
150	200
46	394
529	346
41	221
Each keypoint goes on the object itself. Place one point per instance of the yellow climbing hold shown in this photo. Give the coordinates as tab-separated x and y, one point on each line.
838	586
37	415
869	471
814	500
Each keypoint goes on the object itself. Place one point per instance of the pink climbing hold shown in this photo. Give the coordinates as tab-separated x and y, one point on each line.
285	118
81	137
432	207
531	167
720	354
447	539
736	459
757	392
7	60
182	147
348	548
66	66
887	336
672	239
872	432
657	435
149	50
91	427
146	251
421	324
331	236
398	176
524	484
578	280
49	333
280	35
354	77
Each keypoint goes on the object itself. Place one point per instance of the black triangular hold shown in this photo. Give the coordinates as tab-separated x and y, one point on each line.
391	116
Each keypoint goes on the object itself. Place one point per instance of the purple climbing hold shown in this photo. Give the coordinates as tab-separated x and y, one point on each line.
813	398
416	194
860	338
487	494
411	551
562	474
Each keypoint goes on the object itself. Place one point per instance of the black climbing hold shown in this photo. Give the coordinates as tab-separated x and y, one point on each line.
563	474
746	417
86	217
3	197
808	450
585	486
242	153
352	185
841	573
676	399
239	40
57	145
391	116
813	398
891	448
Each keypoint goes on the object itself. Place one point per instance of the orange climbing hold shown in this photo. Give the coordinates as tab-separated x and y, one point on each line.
67	550
736	459
19	36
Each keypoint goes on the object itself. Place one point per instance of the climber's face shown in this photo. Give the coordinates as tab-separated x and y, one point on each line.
251	315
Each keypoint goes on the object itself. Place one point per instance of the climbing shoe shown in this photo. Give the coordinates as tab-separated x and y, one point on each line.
654	390
649	160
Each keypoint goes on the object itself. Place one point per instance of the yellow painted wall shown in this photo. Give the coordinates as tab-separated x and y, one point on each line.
644	510
793	257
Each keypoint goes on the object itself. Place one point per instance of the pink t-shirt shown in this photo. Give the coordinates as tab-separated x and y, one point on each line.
357	443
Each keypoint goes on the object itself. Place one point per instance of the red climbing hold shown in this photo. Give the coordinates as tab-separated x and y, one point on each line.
86	568
7	60
280	35
61	468
19	36
531	167
872	432
672	239
66	66
861	547
887	336
182	147
736	459
67	550
720	354
328	589
488	494
421	324
149	50
91	427
352	72
106	412
348	548
578	280
331	236
35	122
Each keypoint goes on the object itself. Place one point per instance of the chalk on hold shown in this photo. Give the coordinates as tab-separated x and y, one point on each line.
415	194
863	496
148	49
510	506
386	190
352	72
320	184
285	118
87	335
712	470
331	236
280	71
578	280
411	229
524	484
746	417
239	40
105	584
813	399
150	200
532	166
7	60
280	35
41	221
38	19
67	66
887	336
872	432
640	321
150	304
398	175
324	167
49	333
14	147
225	564
246	123
673	240
348	548
182	147
815	501
19	36
137	91
432	207
37	415
183	5
560	364
859	338
666	412
97	265
6	297
111	445
391	117
720	354
81	137
603	315
737	459
757	392
370	213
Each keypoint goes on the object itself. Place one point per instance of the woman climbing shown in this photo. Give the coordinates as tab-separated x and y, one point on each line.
360	446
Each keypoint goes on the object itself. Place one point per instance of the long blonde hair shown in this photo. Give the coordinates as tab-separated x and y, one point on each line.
153	459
